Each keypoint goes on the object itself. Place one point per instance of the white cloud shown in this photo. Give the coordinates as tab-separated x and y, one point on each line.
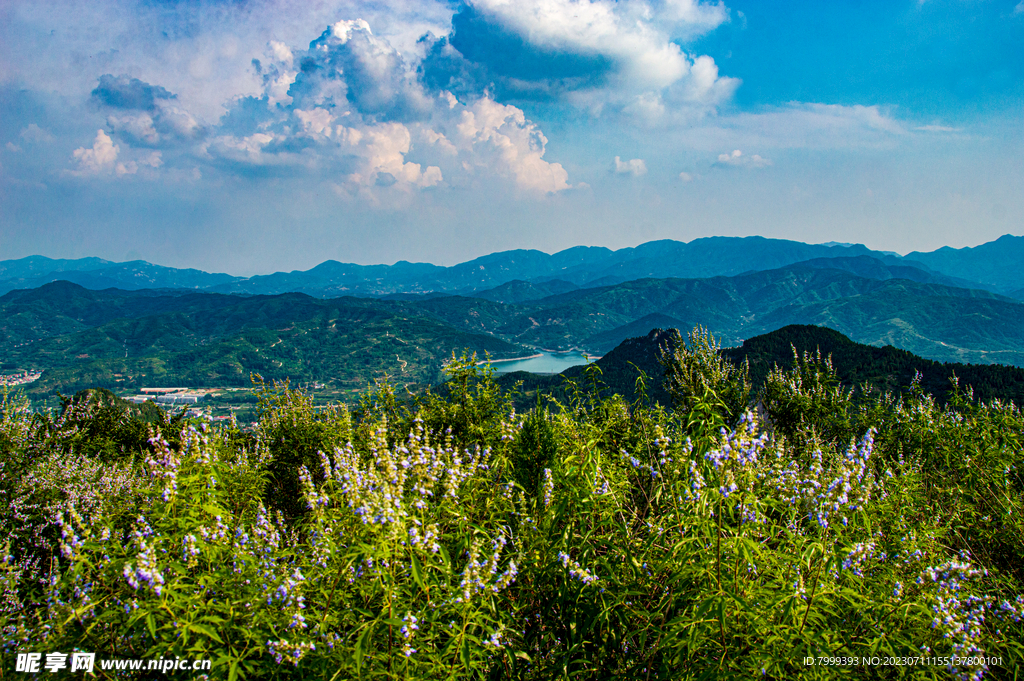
33	133
635	167
102	159
798	125
937	128
138	127
316	121
153	160
737	159
165	125
635	32
635	37
247	150
357	115
11	146
281	52
1019	9
685	176
500	138
382	149
99	159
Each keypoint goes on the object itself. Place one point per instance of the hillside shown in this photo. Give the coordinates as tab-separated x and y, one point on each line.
118	339
989	266
934	320
885	368
743	536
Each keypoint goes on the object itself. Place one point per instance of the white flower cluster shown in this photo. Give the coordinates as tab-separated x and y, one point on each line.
482	575
376	488
576	571
961	615
826	491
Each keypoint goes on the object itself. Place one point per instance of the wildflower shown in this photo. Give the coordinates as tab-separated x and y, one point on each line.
857	555
575	570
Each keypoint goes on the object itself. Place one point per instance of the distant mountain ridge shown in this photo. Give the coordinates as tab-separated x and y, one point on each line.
98	274
996	264
991	266
115	338
96	323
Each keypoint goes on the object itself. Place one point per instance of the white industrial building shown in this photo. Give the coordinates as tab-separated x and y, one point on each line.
172	398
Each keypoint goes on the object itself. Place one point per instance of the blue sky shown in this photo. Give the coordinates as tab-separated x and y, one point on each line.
250	137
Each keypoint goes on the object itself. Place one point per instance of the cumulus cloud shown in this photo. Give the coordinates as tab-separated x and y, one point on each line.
123	92
143	114
349	109
281	52
98	159
685	176
635	167
102	159
33	133
737	159
592	53
354	111
348	64
169	126
498	137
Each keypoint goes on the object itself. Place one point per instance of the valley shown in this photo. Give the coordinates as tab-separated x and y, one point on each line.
76	337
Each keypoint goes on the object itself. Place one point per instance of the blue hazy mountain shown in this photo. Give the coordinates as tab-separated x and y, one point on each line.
990	266
97	274
996	264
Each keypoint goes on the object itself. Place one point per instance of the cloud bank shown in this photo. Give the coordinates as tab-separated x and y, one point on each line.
349	109
593	54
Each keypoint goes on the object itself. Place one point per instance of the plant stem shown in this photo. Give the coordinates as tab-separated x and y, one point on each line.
718	550
814	588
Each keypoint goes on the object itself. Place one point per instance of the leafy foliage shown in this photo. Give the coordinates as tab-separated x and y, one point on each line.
704	385
885	368
449	537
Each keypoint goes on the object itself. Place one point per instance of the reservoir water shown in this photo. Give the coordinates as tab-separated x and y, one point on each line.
545	363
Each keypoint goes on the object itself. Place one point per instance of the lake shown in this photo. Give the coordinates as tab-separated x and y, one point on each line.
545	363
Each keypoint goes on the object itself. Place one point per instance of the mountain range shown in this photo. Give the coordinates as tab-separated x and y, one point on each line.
992	266
347	325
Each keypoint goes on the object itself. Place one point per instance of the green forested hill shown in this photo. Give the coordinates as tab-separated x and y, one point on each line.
116	338
120	339
886	368
938	321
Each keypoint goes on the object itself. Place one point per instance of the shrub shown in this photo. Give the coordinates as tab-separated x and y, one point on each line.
451	538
